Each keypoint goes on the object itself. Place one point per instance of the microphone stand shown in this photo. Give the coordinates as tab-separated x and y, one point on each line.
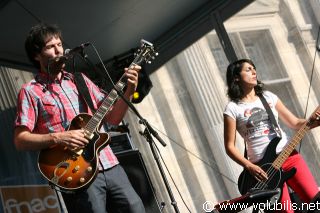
148	133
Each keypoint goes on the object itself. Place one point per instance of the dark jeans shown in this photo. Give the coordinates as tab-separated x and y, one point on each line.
111	191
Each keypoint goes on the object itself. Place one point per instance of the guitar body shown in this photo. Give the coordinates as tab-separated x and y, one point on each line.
276	179
73	169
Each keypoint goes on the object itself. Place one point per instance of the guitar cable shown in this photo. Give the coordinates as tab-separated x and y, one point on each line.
317	49
194	155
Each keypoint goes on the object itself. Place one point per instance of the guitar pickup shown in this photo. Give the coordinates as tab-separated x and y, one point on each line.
88	135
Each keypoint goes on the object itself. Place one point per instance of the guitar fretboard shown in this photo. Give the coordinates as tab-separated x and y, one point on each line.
104	108
291	146
143	55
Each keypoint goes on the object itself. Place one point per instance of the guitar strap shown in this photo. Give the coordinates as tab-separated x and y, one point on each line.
83	90
274	123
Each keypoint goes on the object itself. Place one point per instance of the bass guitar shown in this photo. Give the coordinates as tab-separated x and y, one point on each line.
74	169
271	162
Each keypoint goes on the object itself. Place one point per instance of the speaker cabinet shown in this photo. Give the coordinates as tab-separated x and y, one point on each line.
133	164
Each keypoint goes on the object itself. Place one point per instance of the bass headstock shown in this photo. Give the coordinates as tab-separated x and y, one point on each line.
314	119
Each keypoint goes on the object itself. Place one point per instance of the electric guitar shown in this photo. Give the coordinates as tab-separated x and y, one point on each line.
271	162
73	169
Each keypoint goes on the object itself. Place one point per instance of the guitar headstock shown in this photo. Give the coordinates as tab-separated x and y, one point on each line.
314	119
145	54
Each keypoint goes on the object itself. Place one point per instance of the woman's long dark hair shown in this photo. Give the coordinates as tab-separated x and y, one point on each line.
235	92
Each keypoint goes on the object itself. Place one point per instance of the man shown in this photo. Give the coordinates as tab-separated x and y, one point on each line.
46	106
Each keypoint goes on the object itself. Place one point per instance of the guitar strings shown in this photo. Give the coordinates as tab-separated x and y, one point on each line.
272	170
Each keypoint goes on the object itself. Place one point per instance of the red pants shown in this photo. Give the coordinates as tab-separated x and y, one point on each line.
302	183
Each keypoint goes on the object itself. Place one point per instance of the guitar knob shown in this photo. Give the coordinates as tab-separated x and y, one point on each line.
76	168
89	169
69	179
82	180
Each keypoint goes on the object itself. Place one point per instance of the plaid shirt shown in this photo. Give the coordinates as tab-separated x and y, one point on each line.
46	105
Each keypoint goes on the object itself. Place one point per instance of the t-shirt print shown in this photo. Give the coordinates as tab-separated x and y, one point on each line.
256	116
257	122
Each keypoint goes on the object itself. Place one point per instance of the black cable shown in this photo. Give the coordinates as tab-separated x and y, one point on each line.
188	151
193	154
3	3
174	183
28	11
317	48
312	70
103	65
33	16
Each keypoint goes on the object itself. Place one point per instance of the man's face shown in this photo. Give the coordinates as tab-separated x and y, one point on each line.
53	48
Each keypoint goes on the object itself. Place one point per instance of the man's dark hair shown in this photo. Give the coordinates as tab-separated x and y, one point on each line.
235	92
37	38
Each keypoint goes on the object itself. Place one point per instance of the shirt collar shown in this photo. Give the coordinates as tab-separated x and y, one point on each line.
44	78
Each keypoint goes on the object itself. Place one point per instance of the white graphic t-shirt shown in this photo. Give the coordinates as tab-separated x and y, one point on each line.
254	126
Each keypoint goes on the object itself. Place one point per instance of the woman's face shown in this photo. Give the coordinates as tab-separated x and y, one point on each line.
248	75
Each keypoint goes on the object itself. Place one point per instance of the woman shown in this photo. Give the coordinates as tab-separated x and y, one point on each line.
246	114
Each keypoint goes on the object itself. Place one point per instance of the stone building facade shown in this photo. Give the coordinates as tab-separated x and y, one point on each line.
188	97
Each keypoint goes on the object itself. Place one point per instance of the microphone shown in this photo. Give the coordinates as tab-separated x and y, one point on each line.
70	53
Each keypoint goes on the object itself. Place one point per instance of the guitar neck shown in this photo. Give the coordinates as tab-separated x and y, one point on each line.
143	55
291	146
107	104
105	107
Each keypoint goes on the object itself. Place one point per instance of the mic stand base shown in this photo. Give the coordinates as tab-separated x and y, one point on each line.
149	139
148	133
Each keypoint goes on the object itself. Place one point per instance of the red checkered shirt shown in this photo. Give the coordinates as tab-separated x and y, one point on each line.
46	105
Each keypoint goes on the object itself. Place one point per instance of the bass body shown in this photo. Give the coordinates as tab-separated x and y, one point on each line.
276	176
271	163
